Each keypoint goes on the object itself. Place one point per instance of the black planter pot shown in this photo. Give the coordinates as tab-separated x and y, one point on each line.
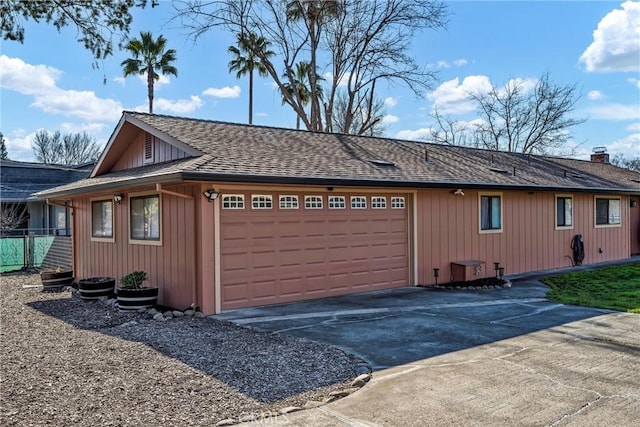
134	299
53	281
96	287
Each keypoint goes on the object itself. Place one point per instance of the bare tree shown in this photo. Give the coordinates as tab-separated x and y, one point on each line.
365	120
4	154
12	216
357	43
448	131
516	119
67	149
632	164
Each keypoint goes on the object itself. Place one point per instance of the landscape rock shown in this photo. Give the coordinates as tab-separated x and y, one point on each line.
189	312
360	380
177	313
158	316
226	422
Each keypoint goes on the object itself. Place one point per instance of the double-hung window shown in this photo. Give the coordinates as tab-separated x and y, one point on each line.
564	212
144	218
490	213
607	211
102	219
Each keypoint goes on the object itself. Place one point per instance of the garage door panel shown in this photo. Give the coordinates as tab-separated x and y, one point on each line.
272	256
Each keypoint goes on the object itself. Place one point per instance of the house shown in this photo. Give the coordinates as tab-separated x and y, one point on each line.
226	215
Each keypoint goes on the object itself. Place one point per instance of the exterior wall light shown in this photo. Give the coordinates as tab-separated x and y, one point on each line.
211	194
118	198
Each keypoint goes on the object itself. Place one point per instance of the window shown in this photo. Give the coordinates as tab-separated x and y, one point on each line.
102	219
288	202
491	213
259	201
378	202
313	202
564	211
233	201
358	202
337	202
607	211
144	217
397	203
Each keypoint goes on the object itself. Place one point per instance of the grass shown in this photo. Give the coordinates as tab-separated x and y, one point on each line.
614	288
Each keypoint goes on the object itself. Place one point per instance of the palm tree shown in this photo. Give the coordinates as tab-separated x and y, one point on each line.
150	58
300	87
246	60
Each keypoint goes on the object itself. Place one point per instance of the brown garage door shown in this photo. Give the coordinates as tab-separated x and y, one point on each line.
283	253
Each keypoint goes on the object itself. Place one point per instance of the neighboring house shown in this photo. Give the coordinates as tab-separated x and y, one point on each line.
303	215
19	180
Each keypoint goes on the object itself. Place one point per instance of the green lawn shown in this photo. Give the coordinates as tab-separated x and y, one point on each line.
613	288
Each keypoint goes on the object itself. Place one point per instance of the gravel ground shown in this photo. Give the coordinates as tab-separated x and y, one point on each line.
64	361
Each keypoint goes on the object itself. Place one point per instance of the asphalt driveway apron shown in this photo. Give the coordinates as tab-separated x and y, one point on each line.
399	326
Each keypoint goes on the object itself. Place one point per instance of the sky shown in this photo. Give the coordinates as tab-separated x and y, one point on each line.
49	82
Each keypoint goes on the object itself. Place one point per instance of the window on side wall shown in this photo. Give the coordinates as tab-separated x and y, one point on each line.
144	218
102	220
490	213
607	211
564	212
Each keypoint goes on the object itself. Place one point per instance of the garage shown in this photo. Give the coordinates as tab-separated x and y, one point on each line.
287	246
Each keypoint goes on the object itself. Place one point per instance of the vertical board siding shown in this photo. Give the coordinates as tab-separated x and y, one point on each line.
171	266
448	231
134	156
634	219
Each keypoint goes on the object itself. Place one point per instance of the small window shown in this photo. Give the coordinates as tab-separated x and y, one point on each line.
313	202
337	202
397	203
378	202
144	217
148	148
261	201
490	213
358	202
102	219
233	201
564	211
607	211
288	202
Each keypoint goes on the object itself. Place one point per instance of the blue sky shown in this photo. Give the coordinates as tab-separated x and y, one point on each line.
48	82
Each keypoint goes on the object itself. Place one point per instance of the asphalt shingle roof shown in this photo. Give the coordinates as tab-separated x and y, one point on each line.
252	153
19	180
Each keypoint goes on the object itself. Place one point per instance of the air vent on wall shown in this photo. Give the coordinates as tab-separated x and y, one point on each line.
148	148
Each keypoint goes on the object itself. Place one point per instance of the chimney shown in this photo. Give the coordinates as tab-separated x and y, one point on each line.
600	155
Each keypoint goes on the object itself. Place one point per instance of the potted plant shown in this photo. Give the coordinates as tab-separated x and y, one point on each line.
96	287
132	295
56	280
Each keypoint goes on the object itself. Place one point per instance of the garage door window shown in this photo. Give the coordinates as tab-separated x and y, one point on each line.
358	202
397	203
337	202
313	202
378	202
288	202
261	201
233	201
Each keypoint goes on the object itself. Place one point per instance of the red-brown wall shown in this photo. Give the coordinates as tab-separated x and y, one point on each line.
448	231
134	155
172	267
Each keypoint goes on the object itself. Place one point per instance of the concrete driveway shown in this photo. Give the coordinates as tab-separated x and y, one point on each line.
493	357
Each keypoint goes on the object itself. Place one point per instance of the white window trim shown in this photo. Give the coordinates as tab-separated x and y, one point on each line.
160	225
240	196
399	198
354	198
261	198
491	231
308	198
595	211
111	239
282	199
344	202
378	199
555	208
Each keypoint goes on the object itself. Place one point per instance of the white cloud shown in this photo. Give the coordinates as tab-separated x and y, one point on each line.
442	64
452	97
162	80
261	114
456	63
120	80
414	135
389	118
180	106
595	95
633	127
526	85
19	145
91	128
39	81
390	102
225	92
460	62
615	111
635	82
616	41
628	146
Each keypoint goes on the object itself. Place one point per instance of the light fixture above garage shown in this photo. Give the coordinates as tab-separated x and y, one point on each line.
118	198
211	194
